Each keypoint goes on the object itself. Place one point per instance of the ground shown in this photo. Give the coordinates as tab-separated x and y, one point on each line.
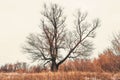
60	76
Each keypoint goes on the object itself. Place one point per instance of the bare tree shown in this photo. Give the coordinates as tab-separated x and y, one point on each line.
55	44
116	44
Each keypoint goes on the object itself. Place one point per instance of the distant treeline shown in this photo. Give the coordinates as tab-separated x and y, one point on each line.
20	67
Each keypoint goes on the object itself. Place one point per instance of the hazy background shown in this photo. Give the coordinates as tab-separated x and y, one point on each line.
18	18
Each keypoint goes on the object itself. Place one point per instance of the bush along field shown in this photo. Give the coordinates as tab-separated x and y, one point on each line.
106	67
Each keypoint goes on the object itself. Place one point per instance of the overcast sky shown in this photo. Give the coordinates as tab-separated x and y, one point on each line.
18	18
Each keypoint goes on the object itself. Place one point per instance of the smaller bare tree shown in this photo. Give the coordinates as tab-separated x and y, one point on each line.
116	44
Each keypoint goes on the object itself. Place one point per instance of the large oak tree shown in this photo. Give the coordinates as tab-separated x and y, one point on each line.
56	43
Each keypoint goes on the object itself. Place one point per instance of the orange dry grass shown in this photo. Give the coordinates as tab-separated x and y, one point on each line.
60	76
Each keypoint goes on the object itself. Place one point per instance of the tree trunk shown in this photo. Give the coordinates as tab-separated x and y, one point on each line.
54	66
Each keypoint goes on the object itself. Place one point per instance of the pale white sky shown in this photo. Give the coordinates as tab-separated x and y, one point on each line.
18	18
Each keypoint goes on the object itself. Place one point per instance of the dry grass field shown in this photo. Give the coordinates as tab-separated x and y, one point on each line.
60	76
